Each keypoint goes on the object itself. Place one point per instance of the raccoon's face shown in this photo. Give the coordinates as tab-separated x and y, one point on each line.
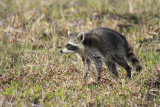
74	43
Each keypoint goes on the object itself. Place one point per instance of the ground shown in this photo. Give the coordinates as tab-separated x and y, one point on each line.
33	73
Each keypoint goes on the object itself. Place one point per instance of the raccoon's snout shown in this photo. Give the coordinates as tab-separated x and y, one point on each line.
65	50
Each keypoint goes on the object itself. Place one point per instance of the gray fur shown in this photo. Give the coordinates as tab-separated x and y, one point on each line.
103	45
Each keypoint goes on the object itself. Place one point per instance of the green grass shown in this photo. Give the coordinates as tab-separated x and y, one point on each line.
33	73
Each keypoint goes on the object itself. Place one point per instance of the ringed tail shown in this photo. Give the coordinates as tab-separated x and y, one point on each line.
133	59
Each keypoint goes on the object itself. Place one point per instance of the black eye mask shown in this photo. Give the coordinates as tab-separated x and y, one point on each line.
71	47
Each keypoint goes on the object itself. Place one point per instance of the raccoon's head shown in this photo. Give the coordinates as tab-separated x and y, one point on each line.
74	43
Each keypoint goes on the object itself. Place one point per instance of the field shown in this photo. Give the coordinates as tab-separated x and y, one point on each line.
33	73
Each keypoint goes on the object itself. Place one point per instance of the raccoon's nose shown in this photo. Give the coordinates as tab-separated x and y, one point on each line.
61	51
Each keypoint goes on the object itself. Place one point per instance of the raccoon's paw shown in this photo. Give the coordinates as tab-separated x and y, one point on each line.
128	77
99	77
85	75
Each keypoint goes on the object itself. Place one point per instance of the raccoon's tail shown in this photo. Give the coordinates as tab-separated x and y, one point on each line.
133	59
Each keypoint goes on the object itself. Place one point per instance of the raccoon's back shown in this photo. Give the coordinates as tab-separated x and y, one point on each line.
107	41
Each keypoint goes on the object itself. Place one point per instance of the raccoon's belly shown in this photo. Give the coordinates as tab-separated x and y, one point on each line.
94	53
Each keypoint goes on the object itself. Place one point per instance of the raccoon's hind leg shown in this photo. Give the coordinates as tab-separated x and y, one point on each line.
86	66
112	67
123	63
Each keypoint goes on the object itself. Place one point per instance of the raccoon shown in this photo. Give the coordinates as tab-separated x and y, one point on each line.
102	45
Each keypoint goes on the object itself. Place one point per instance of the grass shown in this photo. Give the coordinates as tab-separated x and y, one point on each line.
33	73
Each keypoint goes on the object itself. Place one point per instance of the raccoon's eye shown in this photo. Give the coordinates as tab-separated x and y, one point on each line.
68	45
71	47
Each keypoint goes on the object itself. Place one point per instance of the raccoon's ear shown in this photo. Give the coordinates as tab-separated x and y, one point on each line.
81	36
69	33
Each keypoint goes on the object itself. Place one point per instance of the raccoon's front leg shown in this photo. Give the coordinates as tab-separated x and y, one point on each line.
98	64
86	66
